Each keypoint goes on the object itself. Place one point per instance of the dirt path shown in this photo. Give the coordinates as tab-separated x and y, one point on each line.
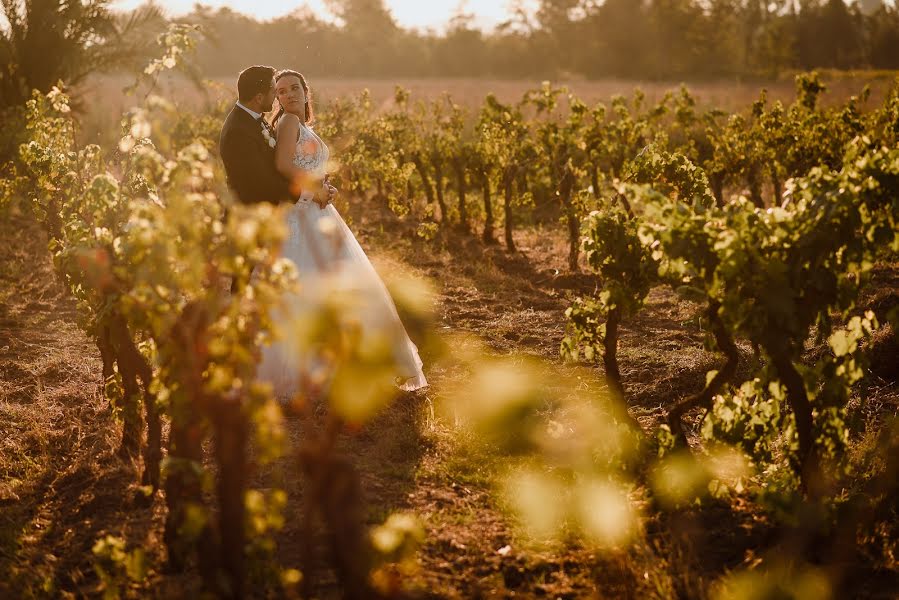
61	486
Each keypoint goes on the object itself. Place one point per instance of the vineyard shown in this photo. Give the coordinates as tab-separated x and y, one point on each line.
661	339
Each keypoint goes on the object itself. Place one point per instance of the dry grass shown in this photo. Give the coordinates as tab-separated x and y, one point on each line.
731	95
103	101
61	486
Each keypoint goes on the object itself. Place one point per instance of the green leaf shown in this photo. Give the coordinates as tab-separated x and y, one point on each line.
841	343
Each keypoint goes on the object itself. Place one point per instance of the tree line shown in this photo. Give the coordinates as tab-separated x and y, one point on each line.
654	39
44	42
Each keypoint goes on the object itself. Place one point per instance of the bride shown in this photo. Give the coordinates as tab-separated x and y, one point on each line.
326	254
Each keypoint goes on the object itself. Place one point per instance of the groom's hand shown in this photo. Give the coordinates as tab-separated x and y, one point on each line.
325	195
321	197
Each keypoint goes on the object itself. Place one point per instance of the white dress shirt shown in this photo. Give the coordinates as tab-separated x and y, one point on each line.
255	115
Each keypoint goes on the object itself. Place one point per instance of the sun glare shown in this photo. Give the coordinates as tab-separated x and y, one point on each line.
433	14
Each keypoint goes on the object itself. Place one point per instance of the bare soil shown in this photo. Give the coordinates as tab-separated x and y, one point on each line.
62	486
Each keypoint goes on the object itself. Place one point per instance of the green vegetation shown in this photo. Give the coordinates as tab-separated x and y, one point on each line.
771	221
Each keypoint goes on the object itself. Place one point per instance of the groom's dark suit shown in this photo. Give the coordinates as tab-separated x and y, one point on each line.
250	161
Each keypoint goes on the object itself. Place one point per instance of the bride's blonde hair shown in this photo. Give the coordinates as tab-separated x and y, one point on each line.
309	116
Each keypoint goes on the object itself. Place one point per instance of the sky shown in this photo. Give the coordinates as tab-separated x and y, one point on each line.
419	14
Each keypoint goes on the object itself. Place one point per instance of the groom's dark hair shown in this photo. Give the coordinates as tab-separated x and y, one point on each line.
254	80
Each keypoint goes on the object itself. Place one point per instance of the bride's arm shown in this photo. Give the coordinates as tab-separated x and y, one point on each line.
286	147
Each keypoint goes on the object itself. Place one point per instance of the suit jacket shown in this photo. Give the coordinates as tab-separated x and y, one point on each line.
250	161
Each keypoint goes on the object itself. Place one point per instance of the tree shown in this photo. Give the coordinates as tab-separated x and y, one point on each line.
726	34
869	7
883	38
371	35
462	50
51	40
620	29
368	17
558	27
829	20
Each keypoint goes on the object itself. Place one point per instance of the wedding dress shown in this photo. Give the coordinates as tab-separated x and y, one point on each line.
330	261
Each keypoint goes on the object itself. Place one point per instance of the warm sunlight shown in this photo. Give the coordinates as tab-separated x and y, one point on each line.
407	299
408	13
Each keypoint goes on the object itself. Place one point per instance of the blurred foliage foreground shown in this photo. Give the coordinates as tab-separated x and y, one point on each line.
140	236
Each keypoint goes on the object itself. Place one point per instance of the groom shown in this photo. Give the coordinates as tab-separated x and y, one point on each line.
247	144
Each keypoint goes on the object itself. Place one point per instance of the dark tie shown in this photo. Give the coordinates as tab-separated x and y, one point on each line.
265	124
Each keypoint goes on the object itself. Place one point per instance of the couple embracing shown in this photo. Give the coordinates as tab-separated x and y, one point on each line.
285	161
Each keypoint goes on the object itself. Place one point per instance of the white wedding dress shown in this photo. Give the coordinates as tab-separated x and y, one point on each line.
330	261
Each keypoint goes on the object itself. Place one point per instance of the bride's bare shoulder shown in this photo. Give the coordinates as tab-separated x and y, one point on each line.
288	121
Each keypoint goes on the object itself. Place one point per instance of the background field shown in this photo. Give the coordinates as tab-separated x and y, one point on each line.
661	339
103	98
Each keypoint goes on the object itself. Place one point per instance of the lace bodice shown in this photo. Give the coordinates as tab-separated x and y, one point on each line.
312	153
